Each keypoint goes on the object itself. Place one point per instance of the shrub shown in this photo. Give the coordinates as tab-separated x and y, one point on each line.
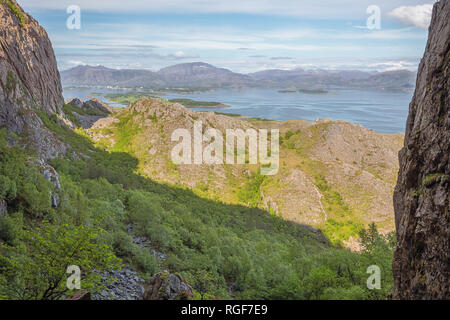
8	188
37	269
148	263
10	228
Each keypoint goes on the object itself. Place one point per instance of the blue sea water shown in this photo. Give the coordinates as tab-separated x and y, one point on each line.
381	111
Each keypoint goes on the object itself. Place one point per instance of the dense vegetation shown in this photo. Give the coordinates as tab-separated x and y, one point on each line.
221	250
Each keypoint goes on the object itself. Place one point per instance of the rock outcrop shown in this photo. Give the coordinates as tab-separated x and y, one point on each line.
94	106
167	286
422	196
88	112
29	79
28	70
51	175
126	285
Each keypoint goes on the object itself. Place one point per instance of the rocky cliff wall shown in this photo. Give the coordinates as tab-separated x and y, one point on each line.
28	70
422	195
29	78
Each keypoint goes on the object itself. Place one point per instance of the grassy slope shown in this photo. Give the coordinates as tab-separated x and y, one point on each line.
337	195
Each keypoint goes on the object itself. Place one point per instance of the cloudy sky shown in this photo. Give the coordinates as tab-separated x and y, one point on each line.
241	35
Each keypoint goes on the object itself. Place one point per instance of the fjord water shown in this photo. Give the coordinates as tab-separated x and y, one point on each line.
381	111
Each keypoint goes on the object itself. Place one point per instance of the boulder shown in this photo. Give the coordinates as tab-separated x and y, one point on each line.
80	295
75	102
97	106
167	286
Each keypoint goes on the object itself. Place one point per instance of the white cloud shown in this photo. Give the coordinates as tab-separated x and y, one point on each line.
75	63
179	54
393	65
418	16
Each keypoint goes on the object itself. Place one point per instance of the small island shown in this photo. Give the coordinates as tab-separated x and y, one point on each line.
305	91
127	98
189	103
131	97
313	91
287	91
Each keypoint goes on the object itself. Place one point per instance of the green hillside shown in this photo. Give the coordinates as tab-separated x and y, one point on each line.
232	250
333	175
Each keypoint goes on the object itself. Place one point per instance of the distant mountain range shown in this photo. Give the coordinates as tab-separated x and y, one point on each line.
199	75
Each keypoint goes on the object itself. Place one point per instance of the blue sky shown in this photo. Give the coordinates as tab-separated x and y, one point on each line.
241	35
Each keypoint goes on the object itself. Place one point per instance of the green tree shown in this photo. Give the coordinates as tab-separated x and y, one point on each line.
36	269
36	192
319	280
202	281
378	250
8	188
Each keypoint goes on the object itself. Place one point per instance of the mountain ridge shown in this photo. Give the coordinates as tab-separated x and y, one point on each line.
207	76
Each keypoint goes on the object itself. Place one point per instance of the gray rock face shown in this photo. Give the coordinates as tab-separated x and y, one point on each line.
94	106
167	286
28	70
29	79
51	175
98	106
75	102
127	286
422	196
92	111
